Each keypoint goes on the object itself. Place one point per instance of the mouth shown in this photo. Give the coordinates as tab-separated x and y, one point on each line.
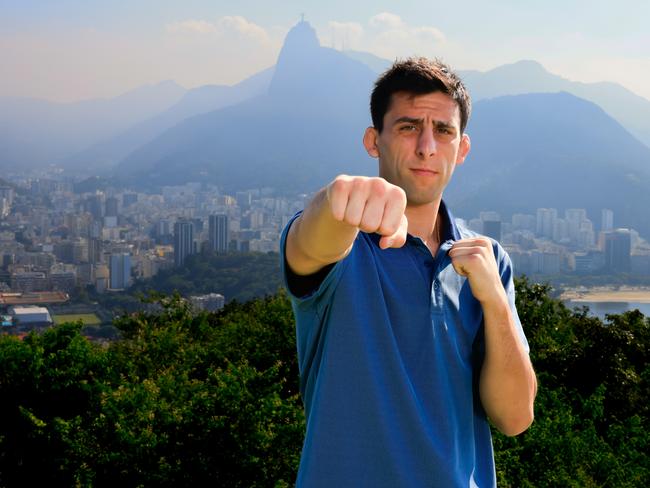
423	172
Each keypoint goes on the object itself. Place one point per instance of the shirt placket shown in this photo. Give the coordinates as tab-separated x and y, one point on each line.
441	260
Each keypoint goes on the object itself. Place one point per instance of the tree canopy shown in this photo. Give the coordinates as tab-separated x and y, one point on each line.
186	399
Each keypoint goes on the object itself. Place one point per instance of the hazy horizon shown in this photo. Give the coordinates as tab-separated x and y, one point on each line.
74	51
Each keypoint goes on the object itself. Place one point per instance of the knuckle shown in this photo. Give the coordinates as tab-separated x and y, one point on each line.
485	241
351	217
378	187
338	186
359	182
397	194
388	228
369	224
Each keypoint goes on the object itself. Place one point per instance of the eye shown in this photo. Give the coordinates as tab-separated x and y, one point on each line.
408	128
444	130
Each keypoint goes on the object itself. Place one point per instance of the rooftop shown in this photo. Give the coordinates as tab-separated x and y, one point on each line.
34	298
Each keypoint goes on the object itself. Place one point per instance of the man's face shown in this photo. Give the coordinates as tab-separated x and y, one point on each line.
420	144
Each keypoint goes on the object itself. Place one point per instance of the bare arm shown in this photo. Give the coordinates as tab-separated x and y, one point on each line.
326	230
507	384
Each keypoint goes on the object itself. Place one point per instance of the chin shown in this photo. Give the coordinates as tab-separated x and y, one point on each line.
418	199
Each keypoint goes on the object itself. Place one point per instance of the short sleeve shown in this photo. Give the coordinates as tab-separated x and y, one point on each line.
507	278
319	286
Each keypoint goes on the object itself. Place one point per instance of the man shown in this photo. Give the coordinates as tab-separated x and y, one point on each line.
408	336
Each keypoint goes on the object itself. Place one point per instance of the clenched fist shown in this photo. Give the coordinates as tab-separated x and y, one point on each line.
371	205
474	259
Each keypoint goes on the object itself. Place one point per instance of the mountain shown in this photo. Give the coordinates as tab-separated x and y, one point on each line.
528	76
628	108
551	150
528	151
103	156
37	132
375	63
304	130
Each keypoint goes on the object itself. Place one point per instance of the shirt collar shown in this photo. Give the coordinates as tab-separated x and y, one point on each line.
448	229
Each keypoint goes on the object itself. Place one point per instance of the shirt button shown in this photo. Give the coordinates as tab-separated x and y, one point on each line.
435	285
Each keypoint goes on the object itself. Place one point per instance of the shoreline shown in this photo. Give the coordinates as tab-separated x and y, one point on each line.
603	294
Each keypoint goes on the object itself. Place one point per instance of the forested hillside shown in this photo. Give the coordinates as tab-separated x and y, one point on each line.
237	276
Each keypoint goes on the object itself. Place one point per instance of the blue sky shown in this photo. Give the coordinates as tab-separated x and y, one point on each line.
71	49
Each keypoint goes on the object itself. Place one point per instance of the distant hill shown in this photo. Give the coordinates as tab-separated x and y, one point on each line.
307	128
375	63
631	110
103	156
35	133
527	76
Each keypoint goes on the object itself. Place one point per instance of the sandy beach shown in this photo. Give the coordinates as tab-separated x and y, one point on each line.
624	294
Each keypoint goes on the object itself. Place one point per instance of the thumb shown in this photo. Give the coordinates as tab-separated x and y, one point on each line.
398	239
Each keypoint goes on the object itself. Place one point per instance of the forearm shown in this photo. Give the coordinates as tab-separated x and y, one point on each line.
317	239
507	385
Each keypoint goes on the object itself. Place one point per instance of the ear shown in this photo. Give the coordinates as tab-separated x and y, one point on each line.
463	149
370	142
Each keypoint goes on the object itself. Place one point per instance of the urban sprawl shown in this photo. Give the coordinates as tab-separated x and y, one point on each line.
54	240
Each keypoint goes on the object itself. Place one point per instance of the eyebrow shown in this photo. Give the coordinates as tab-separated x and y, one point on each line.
407	120
411	120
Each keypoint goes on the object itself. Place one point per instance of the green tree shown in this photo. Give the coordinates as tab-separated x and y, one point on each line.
591	420
182	399
186	399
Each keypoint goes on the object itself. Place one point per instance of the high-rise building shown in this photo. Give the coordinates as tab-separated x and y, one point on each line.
586	235
492	228
7	193
63	281
546	218
72	251
489	215
183	241
524	222
561	231
93	205
618	246
95	248
120	269
575	215
111	207
28	281
607	220
244	199
574	218
218	231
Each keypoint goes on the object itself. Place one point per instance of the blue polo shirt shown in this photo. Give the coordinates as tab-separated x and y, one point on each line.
390	346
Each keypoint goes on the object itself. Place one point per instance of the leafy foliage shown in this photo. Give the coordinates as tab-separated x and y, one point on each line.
591	424
185	399
237	276
181	400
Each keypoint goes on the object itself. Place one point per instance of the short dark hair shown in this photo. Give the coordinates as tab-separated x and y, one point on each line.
418	76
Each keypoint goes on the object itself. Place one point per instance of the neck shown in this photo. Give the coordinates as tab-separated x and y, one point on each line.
424	223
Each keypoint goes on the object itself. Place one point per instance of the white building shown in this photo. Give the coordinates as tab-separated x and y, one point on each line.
25	315
210	302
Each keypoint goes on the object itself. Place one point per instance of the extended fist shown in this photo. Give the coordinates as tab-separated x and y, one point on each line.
371	205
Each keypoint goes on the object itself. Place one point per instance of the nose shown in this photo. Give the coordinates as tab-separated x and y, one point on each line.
426	144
